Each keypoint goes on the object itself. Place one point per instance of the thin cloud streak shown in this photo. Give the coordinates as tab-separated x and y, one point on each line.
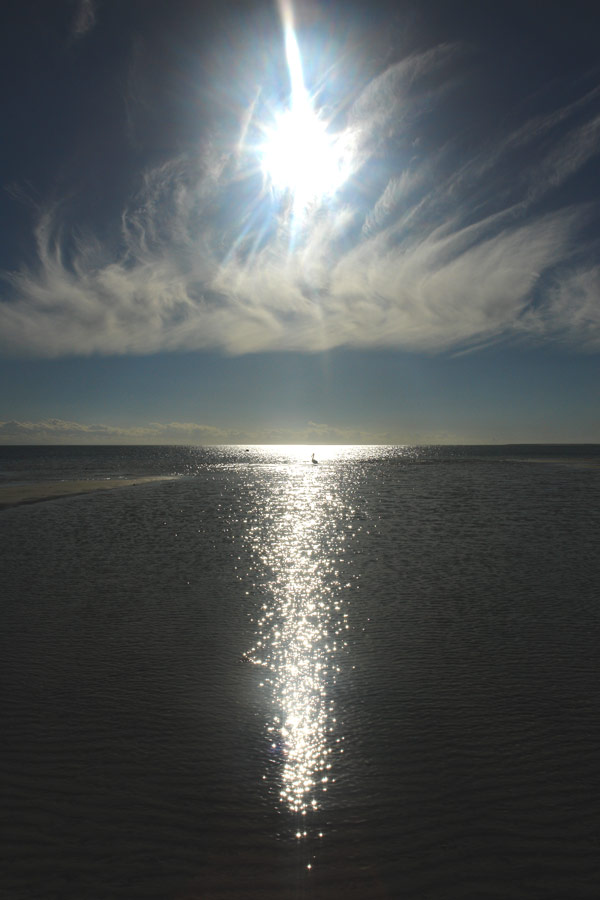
58	431
437	256
84	19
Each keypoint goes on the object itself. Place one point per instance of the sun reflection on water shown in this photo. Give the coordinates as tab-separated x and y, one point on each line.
300	629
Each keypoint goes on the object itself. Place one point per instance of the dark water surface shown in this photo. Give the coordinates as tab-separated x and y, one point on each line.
372	678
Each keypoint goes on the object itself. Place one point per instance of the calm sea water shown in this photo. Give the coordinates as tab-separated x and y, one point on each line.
376	677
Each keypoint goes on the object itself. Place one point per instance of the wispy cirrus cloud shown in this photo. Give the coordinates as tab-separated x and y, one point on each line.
431	245
84	18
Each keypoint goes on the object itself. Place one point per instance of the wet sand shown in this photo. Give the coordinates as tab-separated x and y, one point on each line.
16	495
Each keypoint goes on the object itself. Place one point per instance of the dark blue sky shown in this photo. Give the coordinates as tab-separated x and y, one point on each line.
162	282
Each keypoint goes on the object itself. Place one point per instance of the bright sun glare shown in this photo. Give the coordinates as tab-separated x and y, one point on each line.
299	154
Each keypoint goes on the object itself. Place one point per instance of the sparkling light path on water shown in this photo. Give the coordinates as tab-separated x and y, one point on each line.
300	629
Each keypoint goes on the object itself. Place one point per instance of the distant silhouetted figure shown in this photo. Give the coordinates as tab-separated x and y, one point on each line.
315	462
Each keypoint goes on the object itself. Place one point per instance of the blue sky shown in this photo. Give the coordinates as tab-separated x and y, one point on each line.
163	281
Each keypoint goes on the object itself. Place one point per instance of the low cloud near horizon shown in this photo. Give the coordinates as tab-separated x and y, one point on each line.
58	431
458	244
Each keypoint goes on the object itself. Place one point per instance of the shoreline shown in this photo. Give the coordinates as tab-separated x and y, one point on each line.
19	495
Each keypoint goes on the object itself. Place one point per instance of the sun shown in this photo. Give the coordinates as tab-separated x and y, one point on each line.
301	156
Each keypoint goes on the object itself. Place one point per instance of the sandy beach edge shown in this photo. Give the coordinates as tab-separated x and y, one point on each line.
17	495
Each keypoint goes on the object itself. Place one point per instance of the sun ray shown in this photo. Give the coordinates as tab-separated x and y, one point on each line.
299	154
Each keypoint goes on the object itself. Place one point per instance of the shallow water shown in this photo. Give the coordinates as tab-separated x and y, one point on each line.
185	663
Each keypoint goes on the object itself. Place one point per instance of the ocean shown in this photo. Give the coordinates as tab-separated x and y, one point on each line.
374	677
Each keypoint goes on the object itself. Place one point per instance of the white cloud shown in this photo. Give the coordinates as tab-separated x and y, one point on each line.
50	431
572	311
84	18
57	431
438	256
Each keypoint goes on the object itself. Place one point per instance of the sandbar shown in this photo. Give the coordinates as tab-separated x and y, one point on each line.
17	494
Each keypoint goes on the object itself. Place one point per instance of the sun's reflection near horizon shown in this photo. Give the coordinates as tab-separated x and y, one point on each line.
299	631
